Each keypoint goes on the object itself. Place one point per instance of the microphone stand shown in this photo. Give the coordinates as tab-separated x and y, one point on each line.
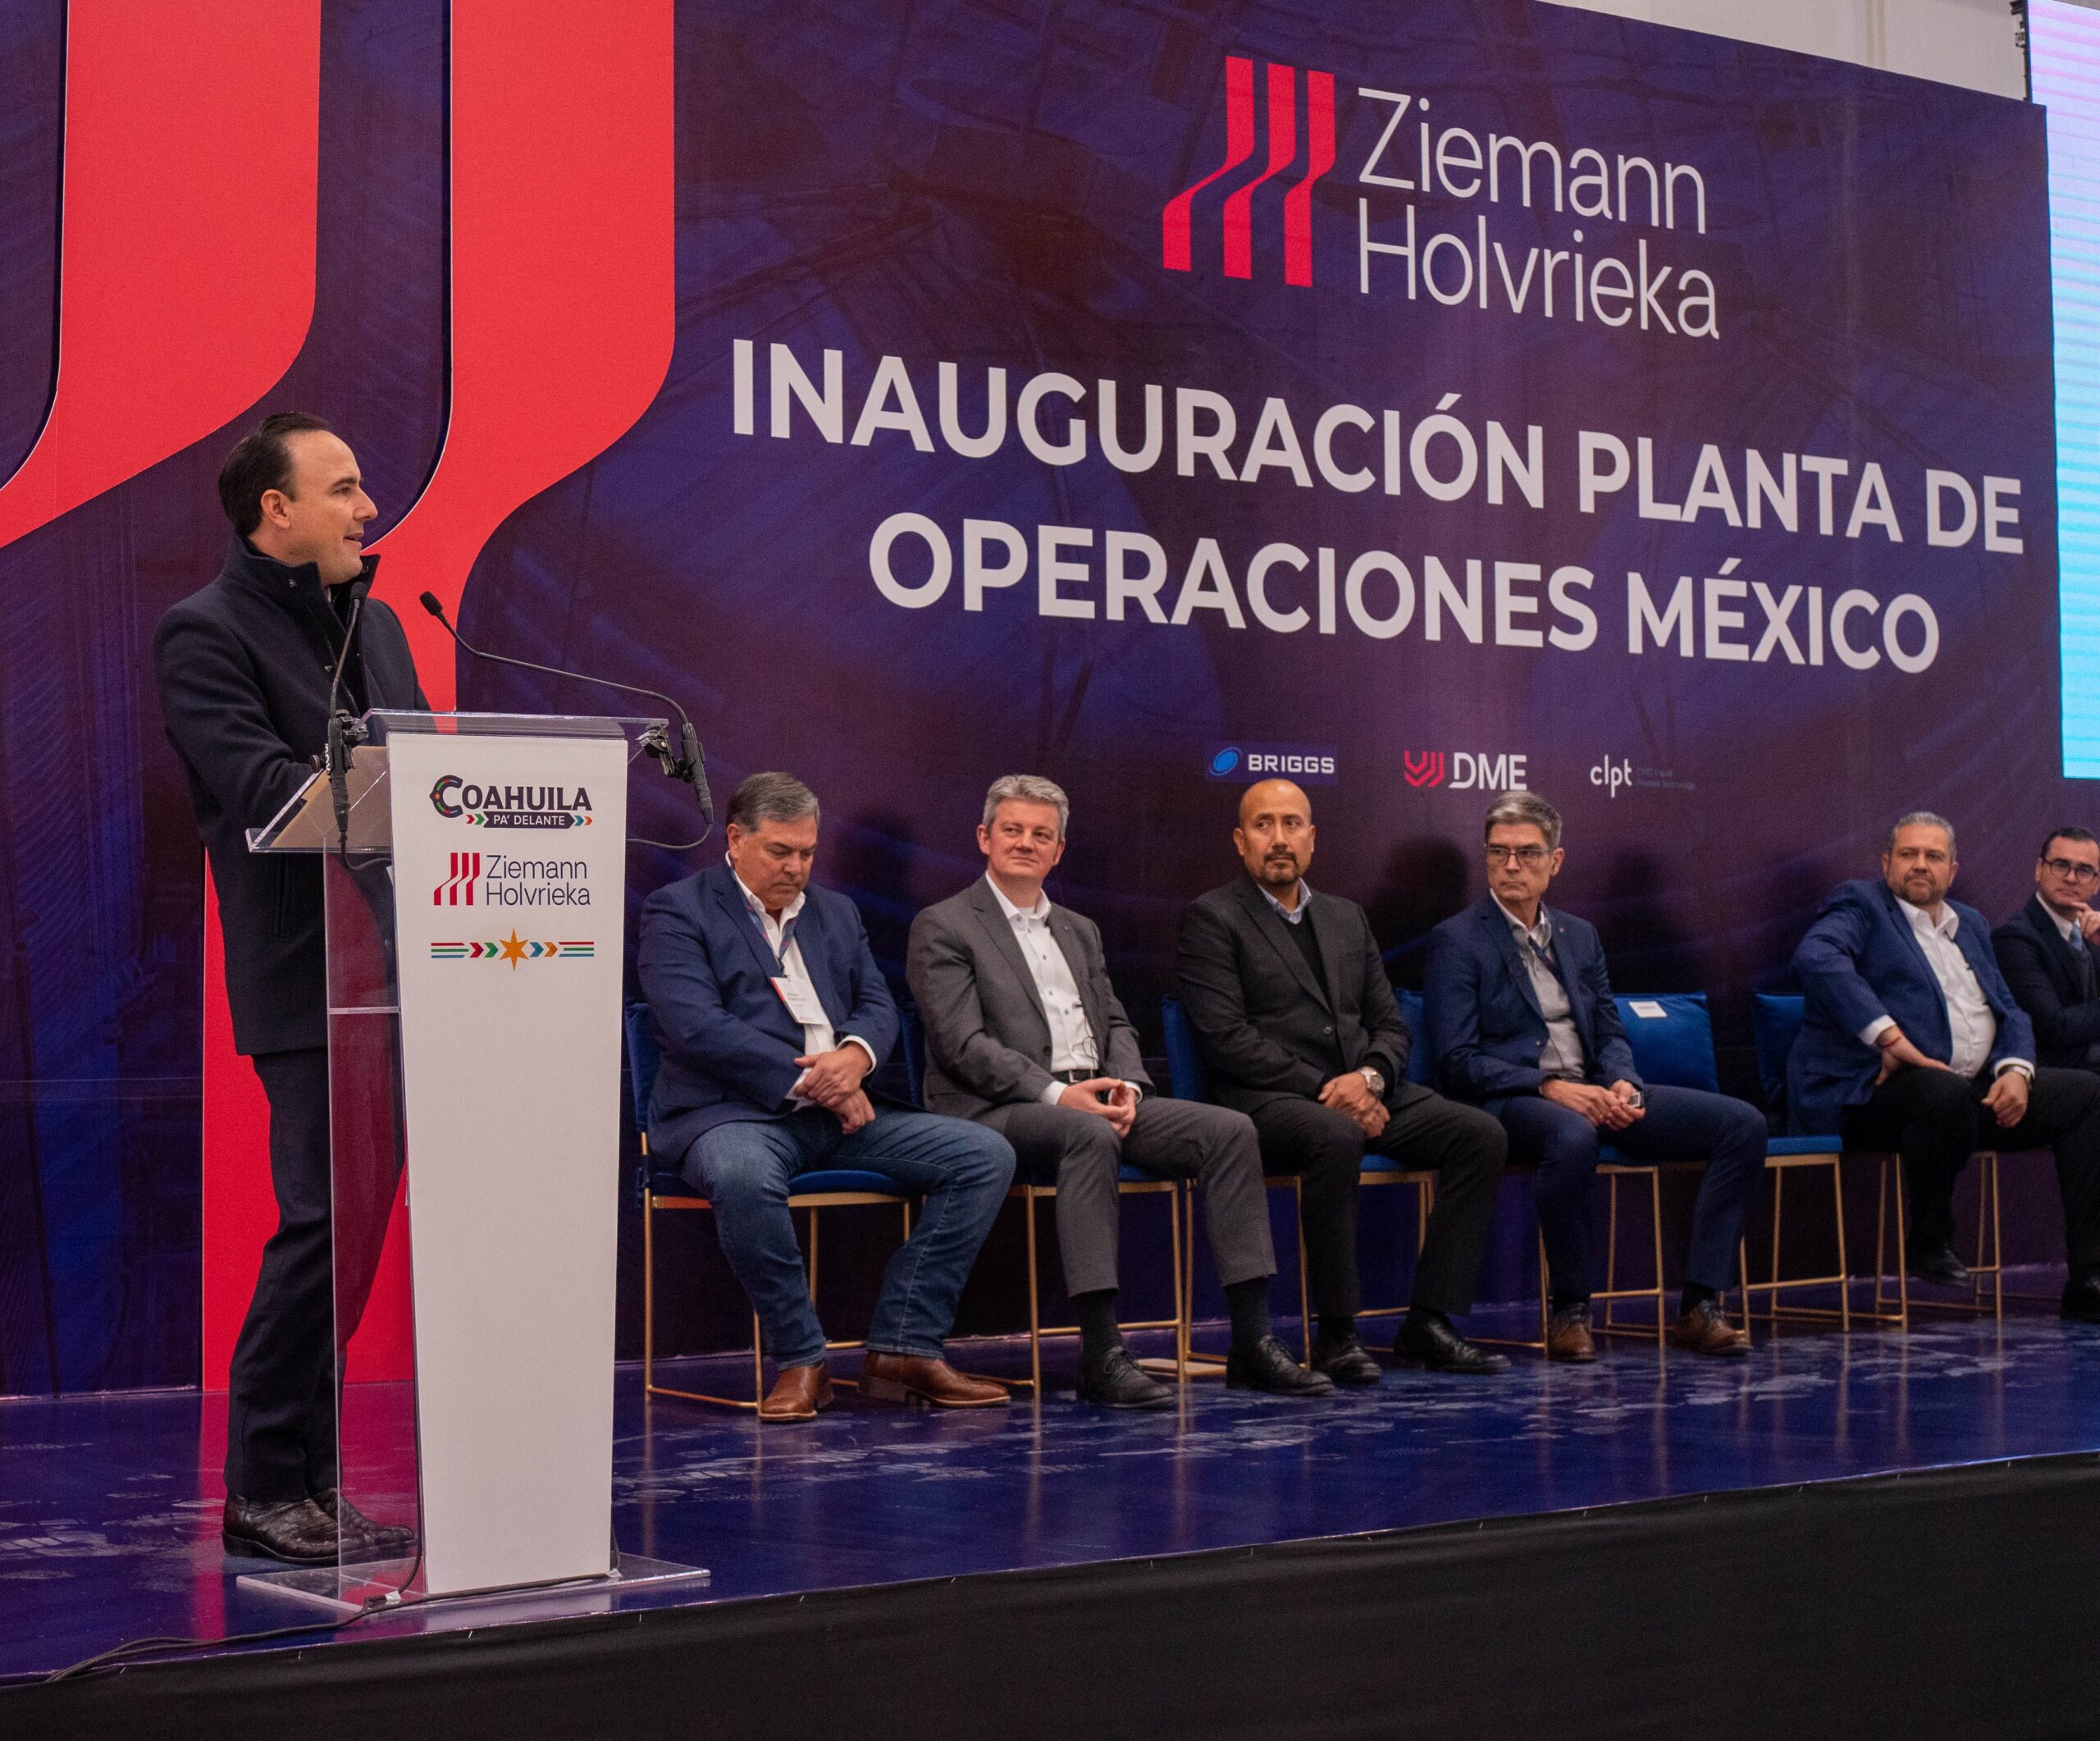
690	769
343	730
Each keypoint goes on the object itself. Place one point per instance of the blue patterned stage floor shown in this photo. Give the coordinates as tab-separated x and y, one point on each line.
108	1529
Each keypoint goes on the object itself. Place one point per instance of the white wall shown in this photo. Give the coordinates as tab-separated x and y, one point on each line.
1959	42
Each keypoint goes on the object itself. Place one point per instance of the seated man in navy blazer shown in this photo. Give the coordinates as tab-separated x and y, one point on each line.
770	1010
2045	952
1912	1041
1521	1021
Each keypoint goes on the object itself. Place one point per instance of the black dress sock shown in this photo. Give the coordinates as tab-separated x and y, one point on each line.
1333	1330
1694	1295
1249	1303
1099	1332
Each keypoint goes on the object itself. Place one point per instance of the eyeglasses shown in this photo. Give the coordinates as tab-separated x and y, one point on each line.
2072	872
1530	857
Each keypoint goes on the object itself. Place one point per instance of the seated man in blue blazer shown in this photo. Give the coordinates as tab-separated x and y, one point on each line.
1912	1042
2045	951
770	1010
1521	1021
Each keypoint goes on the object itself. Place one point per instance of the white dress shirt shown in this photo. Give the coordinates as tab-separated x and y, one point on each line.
2066	928
1969	1018
1562	1054
1072	1043
1289	915
817	1036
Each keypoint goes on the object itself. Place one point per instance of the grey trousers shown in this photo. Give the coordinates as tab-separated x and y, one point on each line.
1083	1155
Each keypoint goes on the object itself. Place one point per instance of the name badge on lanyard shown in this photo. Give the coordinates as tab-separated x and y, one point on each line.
800	998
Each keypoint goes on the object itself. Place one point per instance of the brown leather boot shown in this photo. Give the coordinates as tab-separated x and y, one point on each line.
899	1377
1567	1335
1703	1330
797	1394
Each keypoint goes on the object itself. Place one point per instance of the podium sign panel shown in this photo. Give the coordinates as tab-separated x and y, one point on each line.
509	866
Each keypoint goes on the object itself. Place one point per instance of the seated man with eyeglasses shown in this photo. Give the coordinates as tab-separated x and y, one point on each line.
2045	951
1521	1021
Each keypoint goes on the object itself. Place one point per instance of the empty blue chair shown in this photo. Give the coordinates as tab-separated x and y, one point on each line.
664	1189
1775	1023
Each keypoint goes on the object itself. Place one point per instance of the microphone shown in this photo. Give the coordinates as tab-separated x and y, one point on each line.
342	729
691	768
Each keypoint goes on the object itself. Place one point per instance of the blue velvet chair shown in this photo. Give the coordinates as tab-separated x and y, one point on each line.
1775	1024
1188	1080
663	1189
1131	1181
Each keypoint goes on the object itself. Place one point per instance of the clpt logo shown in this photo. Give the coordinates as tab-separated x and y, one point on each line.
1177	220
457	887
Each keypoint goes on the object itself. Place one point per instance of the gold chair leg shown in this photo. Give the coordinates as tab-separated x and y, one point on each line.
1304	1282
1184	1280
648	1292
1662	1310
1611	1250
1034	1299
1545	1289
1844	1268
1902	1253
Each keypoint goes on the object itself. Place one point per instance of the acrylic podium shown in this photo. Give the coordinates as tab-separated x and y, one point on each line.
473	871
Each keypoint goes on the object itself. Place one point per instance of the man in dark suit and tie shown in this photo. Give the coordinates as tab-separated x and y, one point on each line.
770	1010
1521	1021
1912	1042
248	670
2046	952
1286	992
1025	1033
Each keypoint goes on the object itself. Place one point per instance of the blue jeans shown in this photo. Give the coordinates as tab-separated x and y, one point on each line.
747	1169
1682	1124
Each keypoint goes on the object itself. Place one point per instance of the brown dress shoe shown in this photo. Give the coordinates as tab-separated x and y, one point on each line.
1703	1330
798	1393
1568	1337
898	1377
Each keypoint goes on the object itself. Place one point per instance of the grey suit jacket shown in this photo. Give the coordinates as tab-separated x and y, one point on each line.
1265	1030
988	1040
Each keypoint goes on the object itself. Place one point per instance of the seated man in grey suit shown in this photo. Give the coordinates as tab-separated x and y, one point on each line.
1024	1033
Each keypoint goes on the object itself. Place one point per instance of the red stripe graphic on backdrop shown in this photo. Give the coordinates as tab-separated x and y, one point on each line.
1239	146
563	220
192	140
1320	154
1283	147
563	295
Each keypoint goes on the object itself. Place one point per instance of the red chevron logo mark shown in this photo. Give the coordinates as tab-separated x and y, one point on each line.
1425	769
1177	218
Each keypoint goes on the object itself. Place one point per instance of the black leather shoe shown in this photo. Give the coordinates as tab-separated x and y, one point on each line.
1345	1360
1114	1382
362	1539
2082	1300
1935	1262
1427	1339
298	1532
1267	1366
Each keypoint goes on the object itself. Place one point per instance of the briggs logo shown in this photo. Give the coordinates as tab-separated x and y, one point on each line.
1308	763
1177	219
1464	771
457	887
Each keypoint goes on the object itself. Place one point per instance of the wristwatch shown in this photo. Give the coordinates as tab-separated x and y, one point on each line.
1370	1075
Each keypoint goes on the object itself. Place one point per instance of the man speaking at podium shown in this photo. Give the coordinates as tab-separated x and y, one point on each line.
247	669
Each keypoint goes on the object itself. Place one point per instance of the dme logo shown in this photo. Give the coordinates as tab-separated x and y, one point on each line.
1468	771
1177	219
1308	763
